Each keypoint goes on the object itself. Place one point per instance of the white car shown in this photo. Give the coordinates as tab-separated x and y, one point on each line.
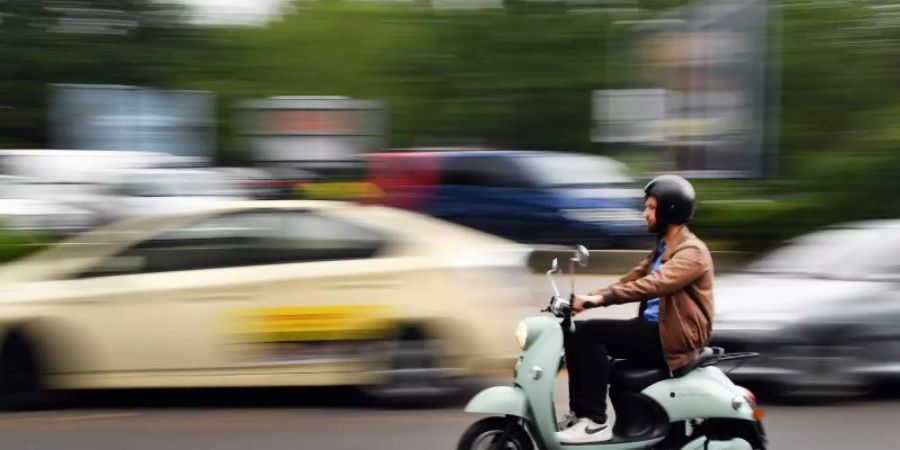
167	190
29	206
266	294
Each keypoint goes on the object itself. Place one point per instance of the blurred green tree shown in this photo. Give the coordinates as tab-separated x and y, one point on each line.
87	41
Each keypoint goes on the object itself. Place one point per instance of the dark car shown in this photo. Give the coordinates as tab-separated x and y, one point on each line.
527	196
822	311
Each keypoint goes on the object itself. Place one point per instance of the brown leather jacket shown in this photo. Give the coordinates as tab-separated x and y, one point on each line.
684	284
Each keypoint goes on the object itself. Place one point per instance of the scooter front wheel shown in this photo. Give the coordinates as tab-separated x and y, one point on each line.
485	434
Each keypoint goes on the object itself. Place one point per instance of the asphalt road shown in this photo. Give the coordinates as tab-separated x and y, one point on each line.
334	419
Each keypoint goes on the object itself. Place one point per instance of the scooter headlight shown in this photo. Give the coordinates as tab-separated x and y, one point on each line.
522	334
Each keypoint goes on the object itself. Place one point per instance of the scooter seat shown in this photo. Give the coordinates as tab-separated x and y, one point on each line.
635	377
706	357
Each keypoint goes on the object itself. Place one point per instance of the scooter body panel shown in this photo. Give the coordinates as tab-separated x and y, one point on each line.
500	400
536	375
703	393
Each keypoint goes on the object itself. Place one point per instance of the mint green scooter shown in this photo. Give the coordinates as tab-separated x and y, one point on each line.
697	408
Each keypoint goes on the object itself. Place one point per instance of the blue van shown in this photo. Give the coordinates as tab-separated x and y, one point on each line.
527	196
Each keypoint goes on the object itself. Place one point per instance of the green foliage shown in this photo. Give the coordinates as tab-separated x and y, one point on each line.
42	42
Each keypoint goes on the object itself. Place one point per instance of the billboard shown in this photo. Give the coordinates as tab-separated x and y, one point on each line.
112	117
702	91
311	130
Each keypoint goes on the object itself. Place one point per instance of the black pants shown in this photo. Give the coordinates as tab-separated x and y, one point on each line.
587	359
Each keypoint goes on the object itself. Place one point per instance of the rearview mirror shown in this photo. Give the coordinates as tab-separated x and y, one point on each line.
582	256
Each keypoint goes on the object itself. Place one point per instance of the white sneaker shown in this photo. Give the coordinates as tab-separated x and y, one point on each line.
585	431
567	421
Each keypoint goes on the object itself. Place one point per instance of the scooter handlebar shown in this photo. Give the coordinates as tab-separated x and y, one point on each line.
559	308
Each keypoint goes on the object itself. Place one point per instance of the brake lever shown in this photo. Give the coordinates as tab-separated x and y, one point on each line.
549	308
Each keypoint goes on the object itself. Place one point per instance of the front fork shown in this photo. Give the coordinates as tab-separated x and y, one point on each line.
511	423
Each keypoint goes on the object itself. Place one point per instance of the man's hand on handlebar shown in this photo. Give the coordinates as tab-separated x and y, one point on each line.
598	290
583	302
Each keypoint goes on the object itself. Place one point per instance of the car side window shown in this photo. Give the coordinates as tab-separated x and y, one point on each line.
245	239
127	188
504	173
141	187
463	171
483	171
310	237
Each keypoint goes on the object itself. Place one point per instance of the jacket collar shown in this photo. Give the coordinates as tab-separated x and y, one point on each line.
683	235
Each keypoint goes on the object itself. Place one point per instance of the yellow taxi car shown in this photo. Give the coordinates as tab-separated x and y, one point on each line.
265	294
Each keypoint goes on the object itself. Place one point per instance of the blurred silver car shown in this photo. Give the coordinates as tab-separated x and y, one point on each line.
823	312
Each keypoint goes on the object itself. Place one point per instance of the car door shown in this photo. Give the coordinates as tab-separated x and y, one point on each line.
158	304
325	304
875	319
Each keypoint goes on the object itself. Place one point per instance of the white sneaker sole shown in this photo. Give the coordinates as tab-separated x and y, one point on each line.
599	437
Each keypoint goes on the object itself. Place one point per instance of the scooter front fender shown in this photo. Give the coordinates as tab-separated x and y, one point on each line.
502	400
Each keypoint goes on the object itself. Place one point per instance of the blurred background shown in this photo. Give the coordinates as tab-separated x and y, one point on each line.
149	151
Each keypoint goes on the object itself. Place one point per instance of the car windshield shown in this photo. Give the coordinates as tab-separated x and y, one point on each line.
839	253
575	170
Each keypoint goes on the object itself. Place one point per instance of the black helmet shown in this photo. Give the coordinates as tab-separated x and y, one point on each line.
674	200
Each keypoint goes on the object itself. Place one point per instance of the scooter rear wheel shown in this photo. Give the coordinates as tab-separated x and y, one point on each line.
723	429
483	435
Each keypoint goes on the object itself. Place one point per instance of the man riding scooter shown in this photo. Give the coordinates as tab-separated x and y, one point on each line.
674	287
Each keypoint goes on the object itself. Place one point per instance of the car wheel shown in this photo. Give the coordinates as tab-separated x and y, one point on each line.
20	384
415	373
483	435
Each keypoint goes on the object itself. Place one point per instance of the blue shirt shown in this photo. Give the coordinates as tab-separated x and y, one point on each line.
651	312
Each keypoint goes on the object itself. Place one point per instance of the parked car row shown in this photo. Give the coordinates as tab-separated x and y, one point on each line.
526	196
